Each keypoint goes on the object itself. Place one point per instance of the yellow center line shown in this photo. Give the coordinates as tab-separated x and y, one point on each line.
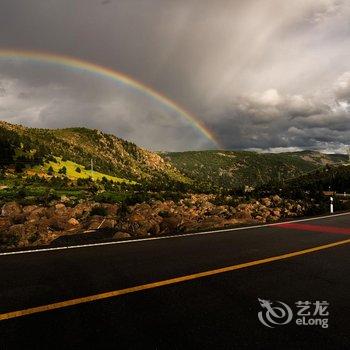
72	302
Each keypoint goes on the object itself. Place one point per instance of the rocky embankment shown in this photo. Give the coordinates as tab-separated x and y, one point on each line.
22	226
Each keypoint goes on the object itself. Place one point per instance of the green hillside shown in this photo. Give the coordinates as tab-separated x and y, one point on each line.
30	147
229	169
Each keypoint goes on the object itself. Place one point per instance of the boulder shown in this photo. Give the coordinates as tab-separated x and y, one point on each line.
121	235
11	209
82	209
135	217
31	227
44	227
266	201
8	239
289	206
206	206
273	218
276	199
141	228
4	223
243	215
141	207
260	219
220	210
170	225
95	222
18	218
15	236
112	209
108	223
154	230
59	223
276	212
29	208
65	199
36	214
73	222
59	209
246	207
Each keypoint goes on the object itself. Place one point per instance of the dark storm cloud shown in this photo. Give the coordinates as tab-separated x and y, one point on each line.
262	74
270	120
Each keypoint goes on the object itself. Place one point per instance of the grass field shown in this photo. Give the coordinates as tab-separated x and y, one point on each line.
73	174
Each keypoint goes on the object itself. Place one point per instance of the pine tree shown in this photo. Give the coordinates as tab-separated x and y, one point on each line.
63	170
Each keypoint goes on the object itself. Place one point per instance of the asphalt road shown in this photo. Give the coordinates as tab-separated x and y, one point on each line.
214	303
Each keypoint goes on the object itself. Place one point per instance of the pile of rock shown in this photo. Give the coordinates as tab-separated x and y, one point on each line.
271	209
160	218
36	225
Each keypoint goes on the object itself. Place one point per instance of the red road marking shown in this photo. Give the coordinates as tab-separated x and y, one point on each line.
314	228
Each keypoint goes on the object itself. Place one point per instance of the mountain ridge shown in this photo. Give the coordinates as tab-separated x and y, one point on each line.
210	169
237	168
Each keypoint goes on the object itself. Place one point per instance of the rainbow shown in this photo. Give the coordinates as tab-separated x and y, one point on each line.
106	72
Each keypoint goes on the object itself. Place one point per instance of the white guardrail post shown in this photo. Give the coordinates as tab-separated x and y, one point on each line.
331	206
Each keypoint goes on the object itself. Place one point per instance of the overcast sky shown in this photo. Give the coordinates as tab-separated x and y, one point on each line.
262	74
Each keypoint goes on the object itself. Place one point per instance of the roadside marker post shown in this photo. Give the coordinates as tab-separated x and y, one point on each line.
331	206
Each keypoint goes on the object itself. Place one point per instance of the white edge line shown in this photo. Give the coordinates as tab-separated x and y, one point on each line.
168	237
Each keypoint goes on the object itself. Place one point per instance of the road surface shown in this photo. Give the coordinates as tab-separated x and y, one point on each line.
197	291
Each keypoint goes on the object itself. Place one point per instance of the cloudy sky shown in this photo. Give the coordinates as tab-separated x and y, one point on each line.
261	74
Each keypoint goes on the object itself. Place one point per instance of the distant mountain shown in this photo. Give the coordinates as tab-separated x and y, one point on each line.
110	155
237	168
333	178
